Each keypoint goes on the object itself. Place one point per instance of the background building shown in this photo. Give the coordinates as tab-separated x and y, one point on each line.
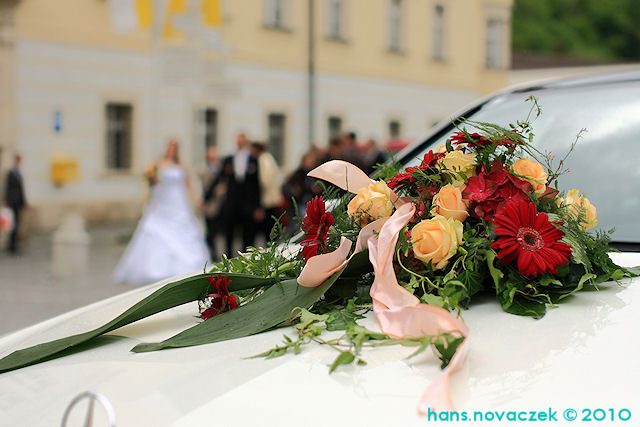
91	90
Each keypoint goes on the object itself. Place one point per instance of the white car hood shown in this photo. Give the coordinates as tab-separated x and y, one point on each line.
582	355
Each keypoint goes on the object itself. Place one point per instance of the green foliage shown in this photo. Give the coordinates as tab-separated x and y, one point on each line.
269	309
349	346
170	295
586	29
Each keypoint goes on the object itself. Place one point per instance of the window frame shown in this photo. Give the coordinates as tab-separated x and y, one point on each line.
278	152
337	32
127	165
338	119
395	18
438	32
276	15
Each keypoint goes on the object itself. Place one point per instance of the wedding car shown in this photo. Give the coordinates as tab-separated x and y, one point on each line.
577	363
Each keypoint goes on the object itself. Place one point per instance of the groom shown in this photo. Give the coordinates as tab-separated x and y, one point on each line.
15	199
239	173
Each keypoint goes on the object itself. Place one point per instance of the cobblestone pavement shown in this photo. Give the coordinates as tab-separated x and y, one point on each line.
29	293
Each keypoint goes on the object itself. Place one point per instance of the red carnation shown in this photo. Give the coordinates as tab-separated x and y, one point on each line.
430	159
473	140
403	179
221	299
488	192
400	180
528	236
316	225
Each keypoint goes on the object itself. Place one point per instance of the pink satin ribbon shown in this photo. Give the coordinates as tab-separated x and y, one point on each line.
399	312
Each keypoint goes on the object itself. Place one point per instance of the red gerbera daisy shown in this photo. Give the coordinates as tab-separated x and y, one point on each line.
221	299
316	225
528	236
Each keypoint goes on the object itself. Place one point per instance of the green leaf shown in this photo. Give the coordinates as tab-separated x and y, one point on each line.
269	309
432	299
339	320
446	346
344	358
358	335
617	274
585	277
496	274
170	295
307	319
524	306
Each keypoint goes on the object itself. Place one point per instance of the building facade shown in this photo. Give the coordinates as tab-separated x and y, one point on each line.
89	97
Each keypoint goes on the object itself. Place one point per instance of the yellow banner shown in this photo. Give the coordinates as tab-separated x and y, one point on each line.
145	13
212	13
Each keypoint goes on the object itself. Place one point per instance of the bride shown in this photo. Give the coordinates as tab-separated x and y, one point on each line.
168	240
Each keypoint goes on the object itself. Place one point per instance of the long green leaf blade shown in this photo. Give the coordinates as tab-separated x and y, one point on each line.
171	295
271	308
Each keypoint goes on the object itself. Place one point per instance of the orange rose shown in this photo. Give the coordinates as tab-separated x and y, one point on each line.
533	172
581	208
436	240
371	203
448	203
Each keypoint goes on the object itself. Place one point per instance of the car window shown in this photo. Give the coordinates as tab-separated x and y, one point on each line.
605	164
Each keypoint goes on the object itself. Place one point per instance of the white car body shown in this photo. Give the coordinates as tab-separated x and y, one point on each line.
582	355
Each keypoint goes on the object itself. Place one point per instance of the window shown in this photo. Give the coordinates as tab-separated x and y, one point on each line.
277	133
334	126
206	131
395	129
275	14
119	135
437	40
495	28
395	25
335	19
208	123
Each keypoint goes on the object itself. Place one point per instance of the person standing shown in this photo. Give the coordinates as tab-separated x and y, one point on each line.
211	206
350	151
168	240
240	172
270	180
372	156
15	200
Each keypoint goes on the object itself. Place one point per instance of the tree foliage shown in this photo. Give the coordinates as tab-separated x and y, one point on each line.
594	30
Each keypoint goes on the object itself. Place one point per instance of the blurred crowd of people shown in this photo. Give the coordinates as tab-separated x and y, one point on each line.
246	191
243	194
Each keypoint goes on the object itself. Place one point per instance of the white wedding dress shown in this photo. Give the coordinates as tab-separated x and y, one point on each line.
168	239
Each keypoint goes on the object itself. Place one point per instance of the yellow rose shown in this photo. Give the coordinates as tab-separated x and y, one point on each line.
581	207
442	148
458	162
371	203
436	240
532	172
448	203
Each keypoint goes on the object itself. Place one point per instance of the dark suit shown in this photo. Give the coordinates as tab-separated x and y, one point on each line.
15	199
240	203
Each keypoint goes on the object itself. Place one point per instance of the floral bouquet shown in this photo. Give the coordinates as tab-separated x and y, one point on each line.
481	214
151	174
